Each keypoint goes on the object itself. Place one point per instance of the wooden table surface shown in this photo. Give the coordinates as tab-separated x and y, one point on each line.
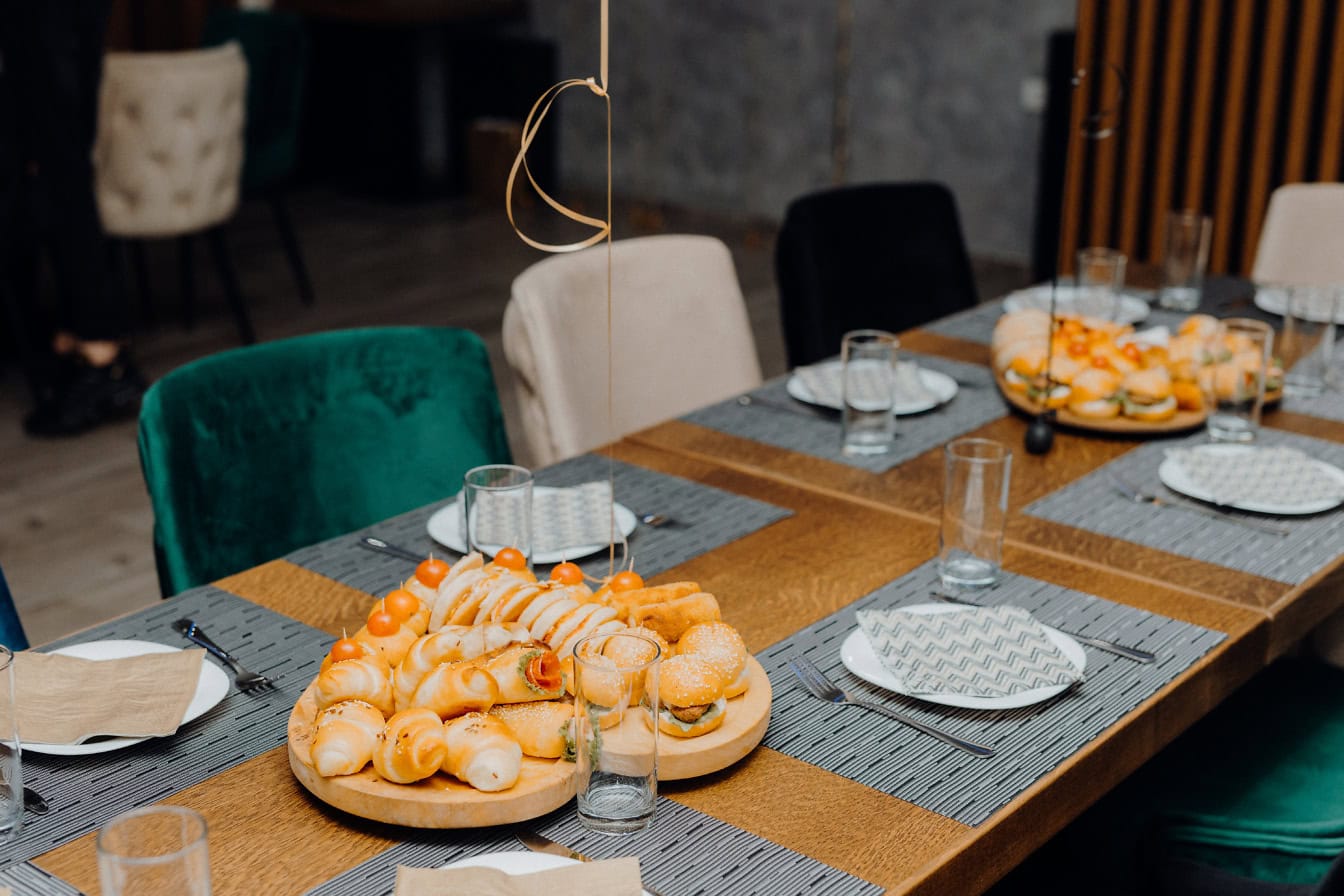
268	834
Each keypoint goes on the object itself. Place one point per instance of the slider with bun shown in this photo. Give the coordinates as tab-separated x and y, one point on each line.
1147	395
690	697
1094	394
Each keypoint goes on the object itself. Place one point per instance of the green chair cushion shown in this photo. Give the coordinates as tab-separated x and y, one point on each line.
252	453
11	629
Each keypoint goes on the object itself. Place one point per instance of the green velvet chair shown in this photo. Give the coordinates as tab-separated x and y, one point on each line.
11	629
254	452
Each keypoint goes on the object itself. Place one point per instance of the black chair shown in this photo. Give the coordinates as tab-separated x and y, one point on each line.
888	256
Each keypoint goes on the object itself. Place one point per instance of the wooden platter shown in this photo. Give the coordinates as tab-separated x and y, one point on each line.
748	717
1184	420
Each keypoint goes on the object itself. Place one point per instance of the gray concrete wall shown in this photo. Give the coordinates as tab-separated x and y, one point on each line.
726	105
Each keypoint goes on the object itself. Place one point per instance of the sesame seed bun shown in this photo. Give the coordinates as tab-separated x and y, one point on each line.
718	644
688	681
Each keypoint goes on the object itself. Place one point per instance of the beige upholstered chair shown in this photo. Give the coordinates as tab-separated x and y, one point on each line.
678	327
1302	241
169	152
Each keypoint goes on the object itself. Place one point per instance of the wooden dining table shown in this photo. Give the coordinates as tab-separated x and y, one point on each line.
850	531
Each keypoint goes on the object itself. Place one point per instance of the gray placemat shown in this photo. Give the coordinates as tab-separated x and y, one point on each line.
1328	405
1093	503
1030	741
973	325
706	518
781	421
683	853
85	791
25	879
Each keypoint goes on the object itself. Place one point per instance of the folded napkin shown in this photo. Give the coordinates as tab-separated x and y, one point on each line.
826	383
977	651
561	518
613	877
1270	475
66	700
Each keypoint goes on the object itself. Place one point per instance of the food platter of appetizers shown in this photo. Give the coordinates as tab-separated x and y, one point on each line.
452	706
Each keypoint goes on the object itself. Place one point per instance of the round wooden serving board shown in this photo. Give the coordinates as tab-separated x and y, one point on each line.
742	729
1120	425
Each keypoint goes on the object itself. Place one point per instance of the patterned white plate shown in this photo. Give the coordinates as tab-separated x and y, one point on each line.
939	388
1130	309
516	862
858	657
445	527
1175	477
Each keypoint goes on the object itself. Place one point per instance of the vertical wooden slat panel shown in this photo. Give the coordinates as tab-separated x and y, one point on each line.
1169	128
1104	191
1226	197
1136	124
1078	148
1262	151
1201	129
1333	137
1304	89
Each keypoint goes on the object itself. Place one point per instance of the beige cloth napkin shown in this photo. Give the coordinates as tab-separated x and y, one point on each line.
65	699
612	877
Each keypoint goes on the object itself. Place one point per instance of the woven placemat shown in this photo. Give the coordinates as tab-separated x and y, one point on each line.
1094	503
684	852
25	879
1328	405
781	421
85	791
705	518
1030	741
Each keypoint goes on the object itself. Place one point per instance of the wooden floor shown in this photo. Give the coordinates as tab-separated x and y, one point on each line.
75	523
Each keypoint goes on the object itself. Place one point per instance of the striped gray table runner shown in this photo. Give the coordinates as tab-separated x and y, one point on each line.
781	421
85	791
26	879
1093	503
1030	741
705	518
683	853
1329	404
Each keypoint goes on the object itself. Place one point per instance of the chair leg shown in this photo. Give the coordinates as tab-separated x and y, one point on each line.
290	239
18	325
140	268
187	280
219	249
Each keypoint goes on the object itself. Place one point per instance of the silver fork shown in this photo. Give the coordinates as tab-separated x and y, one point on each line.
1139	496
823	688
248	682
1129	653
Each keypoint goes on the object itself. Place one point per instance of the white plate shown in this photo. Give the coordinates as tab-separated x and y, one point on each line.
1175	477
857	654
445	527
1130	309
1275	301
211	687
516	862
941	387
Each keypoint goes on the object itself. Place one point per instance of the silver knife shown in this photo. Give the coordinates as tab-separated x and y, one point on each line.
537	843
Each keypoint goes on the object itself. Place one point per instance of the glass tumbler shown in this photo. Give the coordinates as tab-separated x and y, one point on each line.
868	364
1185	260
1233	380
497	509
11	765
1101	276
976	475
1307	340
154	851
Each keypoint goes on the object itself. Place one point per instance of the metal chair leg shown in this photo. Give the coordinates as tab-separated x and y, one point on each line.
187	280
290	239
219	250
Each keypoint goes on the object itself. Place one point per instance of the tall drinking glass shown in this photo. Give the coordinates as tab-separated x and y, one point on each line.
1307	341
154	851
497	509
976	475
1101	276
1186	258
11	766
1233	379
869	369
616	717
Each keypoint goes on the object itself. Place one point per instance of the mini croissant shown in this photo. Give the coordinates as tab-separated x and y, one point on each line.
358	679
345	736
411	747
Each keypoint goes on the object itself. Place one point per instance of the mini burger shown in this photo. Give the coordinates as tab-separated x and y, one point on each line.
719	644
690	697
1147	395
1094	394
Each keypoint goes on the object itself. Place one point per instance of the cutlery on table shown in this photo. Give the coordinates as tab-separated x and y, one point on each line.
654	520
537	843
246	681
1139	496
789	407
1129	653
382	547
33	802
823	688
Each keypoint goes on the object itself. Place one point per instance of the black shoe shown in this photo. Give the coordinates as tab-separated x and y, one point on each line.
83	397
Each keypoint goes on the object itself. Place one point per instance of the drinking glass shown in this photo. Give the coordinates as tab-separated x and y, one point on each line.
1307	341
497	509
1233	378
154	850
11	766
1101	276
1186	259
616	720
869	369
976	475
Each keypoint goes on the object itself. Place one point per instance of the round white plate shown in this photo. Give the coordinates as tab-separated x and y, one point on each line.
941	387
445	527
211	687
1174	477
1275	301
1130	309
858	656
516	862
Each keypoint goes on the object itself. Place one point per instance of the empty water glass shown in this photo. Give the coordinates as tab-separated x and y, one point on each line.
1233	379
497	509
868	360
11	766
1101	276
1307	342
154	851
1186	258
976	476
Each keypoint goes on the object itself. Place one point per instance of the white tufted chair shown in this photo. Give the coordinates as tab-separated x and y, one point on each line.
169	153
679	328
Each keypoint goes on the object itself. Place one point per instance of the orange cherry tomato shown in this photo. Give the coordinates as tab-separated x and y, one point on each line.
626	580
567	574
1101	362
382	623
431	572
346	649
402	604
511	558
1078	348
1131	351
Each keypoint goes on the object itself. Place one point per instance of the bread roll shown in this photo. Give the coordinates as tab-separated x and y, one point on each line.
525	672
720	645
450	644
690	697
544	729
623	601
393	647
452	689
358	679
481	752
508	609
411	747
344	737
673	618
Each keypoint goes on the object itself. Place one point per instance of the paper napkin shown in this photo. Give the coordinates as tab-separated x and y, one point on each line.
1269	475
826	383
561	518
978	651
613	877
65	699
